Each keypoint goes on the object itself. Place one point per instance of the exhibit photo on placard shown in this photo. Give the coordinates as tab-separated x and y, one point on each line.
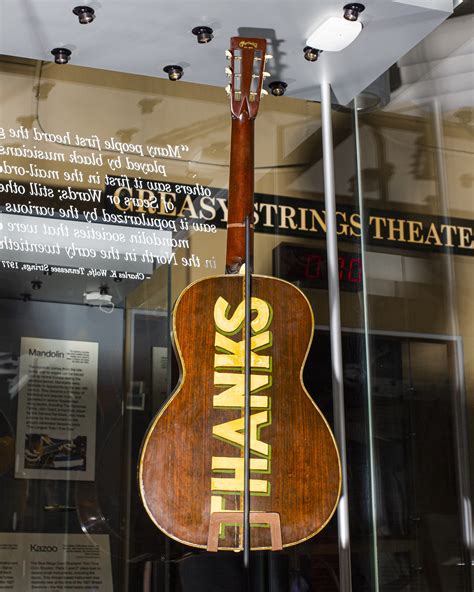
56	422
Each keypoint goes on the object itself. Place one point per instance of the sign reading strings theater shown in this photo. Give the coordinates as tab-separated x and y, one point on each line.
155	205
127	204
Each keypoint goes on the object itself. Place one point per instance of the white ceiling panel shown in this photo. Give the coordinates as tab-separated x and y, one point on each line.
143	36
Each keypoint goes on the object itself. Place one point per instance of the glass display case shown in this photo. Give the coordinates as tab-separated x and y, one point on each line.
113	200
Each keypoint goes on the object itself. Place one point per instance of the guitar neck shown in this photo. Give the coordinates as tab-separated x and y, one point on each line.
241	181
247	59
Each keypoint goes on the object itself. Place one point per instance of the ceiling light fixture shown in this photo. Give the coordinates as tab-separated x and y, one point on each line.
62	55
85	14
311	53
203	34
352	11
174	72
277	88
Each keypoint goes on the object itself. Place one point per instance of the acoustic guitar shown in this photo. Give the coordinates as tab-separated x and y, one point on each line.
191	469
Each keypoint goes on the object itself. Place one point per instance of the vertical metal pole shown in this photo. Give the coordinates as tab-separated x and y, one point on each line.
345	583
368	354
248	308
169	378
462	464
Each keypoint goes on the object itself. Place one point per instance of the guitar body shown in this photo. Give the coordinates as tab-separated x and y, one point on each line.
240	457
192	457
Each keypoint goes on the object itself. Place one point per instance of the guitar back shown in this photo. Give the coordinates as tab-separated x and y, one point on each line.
192	458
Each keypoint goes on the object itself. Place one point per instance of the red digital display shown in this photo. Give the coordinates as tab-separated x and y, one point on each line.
350	268
308	267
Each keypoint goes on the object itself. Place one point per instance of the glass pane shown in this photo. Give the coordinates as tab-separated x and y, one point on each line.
415	159
123	208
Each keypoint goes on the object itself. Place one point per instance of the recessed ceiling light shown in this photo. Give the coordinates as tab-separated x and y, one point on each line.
174	72
277	88
352	11
311	53
203	34
85	13
62	55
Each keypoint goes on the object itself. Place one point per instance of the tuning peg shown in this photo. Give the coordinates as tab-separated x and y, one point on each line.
266	74
228	54
263	93
268	56
228	72
228	89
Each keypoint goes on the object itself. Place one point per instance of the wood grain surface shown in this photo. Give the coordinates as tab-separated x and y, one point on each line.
240	201
175	466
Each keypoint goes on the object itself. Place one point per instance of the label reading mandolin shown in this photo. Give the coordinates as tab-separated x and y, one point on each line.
229	366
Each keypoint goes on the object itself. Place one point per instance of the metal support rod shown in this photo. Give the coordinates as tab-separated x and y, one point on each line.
368	353
345	583
461	446
248	308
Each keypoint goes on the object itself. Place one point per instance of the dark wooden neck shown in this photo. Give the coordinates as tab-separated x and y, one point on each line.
240	201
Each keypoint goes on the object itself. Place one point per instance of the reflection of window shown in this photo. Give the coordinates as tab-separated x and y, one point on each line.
136	396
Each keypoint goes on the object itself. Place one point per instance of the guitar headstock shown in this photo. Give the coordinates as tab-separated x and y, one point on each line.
246	72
